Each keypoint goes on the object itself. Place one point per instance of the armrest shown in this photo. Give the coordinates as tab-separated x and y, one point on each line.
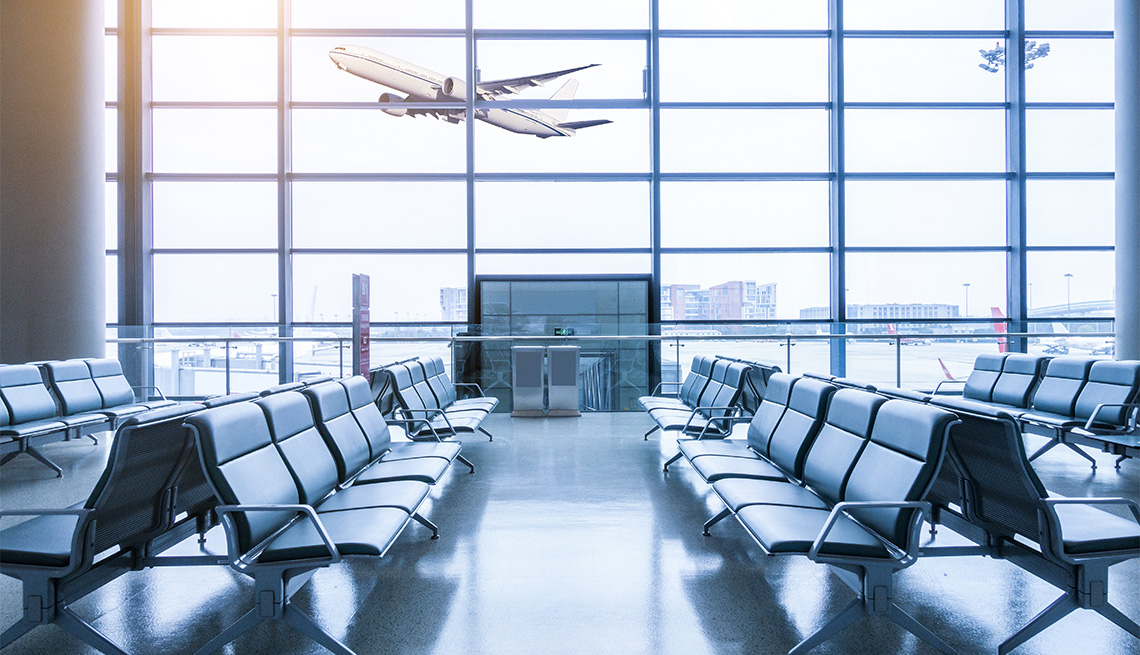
1130	418
938	387
1055	520
661	384
160	394
411	420
77	536
731	411
904	557
249	559
470	384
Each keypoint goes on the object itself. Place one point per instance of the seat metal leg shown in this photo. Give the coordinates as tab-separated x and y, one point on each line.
850	614
25	447
724	513
236	629
490	437
85	632
466	462
655	428
304	624
1121	459
1077	449
673	459
1058	610
911	625
1044	449
427	524
17	630
1116	616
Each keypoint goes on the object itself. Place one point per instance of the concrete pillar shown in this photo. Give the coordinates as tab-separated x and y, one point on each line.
1127	40
52	288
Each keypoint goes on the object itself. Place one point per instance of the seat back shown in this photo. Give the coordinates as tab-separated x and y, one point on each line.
278	388
845	432
301	445
23	392
755	386
444	393
899	463
694	382
770	411
1064	378
980	384
134	499
420	384
800	424
4	418
367	415
336	424
729	393
112	384
72	385
244	467
407	396
218	401
1005	495
1018	376
1109	382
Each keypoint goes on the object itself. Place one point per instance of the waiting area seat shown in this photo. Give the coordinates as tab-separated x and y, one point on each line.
421	412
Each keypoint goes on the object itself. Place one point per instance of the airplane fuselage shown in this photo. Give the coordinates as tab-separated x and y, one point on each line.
422	85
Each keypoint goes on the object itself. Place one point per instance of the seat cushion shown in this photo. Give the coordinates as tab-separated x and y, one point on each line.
41	541
724	447
448	451
75	420
718	467
33	428
422	469
355	532
486	404
401	494
1086	530
783	529
738	492
650	403
121	411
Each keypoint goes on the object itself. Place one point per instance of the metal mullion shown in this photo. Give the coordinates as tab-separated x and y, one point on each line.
213	104
925	34
926	105
471	67
1016	282
379	251
1070	249
1070	105
352	32
211	177
743	34
745	105
1067	34
214	251
213	31
284	192
747	250
741	176
837	205
655	238
1070	175
559	35
376	177
908	175
931	249
563	177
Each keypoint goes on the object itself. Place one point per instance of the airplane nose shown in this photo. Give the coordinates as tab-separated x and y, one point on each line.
338	59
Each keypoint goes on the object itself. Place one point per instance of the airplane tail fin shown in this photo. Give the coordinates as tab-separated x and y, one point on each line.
565	93
892	330
1059	329
945	370
999	327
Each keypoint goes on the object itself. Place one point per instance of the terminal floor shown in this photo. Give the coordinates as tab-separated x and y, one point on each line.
569	539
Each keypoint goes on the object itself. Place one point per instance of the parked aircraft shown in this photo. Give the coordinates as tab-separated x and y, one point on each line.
422	85
907	341
1061	344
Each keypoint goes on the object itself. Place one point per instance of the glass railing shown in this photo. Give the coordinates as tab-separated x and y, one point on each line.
616	367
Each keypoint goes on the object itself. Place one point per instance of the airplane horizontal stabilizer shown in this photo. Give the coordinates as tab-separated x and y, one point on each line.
577	125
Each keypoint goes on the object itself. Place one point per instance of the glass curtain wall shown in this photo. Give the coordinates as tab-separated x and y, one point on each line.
772	166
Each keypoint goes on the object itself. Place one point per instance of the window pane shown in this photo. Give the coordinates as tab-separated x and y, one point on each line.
404	287
1069	140
214	13
111	214
743	15
1071	283
920	213
912	15
932	140
1068	15
904	70
799	281
618	147
743	140
379	214
215	214
788	70
620	73
1076	70
214	288
544	264
973	281
111	140
112	284
110	13
215	140
215	68
572	215
583	14
369	141
744	214
388	14
111	68
1054	207
317	78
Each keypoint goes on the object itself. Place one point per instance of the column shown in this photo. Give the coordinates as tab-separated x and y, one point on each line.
52	178
1127	40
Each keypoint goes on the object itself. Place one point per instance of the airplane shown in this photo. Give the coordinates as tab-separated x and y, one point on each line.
422	85
1061	344
907	341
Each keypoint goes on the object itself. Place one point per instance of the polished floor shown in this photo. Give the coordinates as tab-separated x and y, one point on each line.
569	539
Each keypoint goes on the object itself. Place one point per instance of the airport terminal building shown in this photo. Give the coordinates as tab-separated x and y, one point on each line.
763	187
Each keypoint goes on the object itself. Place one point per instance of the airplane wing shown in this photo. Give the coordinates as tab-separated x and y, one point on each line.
488	90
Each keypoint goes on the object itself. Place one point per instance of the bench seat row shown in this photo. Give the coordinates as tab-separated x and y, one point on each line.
72	398
428	402
707	404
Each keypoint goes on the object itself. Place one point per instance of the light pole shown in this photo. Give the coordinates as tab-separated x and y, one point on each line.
1068	293
966	285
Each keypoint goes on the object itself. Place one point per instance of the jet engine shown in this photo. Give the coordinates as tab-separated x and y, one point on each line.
393	111
453	89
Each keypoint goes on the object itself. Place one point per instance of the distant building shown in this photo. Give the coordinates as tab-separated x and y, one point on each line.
887	313
453	304
733	300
